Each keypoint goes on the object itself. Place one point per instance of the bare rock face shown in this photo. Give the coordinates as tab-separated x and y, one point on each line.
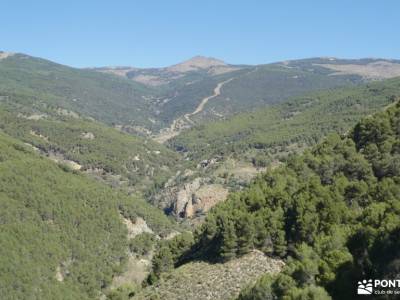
184	196
208	196
189	210
187	196
137	227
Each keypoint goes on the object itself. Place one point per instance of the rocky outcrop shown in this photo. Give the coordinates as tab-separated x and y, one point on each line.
87	135
60	159
206	197
67	113
187	195
184	196
196	197
136	227
62	270
59	275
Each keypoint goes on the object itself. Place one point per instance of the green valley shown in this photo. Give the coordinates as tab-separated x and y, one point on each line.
199	150
97	203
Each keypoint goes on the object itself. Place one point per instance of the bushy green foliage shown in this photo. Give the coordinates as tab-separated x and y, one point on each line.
142	244
168	255
162	263
61	235
154	217
124	292
332	213
261	160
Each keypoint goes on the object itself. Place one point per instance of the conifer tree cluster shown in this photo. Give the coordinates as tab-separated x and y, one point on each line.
332	213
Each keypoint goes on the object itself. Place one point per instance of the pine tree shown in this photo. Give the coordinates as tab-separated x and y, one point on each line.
229	245
245	234
162	262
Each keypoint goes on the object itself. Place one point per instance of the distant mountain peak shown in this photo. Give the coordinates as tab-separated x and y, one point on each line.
196	63
199	59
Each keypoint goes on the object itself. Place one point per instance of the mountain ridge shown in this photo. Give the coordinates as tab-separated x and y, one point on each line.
219	61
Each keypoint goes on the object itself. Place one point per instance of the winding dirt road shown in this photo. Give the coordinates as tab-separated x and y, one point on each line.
217	92
184	121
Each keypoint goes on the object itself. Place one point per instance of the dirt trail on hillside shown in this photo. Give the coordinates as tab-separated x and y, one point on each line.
217	92
184	121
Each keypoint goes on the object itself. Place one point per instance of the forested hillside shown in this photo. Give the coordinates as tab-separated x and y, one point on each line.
328	212
35	85
249	87
41	86
62	235
183	86
120	159
199	150
229	153
331	213
300	121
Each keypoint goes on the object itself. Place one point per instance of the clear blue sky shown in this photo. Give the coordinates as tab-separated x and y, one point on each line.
159	33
